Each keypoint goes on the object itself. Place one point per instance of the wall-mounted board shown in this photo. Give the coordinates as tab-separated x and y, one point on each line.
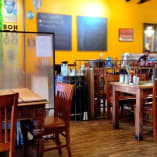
92	33
58	24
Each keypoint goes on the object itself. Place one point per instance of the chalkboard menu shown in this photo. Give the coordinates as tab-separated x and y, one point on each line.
92	33
58	24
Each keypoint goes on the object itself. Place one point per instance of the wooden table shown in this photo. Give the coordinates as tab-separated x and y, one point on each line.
30	105
140	91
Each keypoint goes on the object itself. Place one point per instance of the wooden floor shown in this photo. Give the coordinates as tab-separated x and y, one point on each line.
98	139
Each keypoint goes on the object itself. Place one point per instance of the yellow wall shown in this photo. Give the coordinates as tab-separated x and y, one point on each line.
119	13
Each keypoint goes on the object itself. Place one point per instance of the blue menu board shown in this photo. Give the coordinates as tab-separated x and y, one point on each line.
58	24
92	33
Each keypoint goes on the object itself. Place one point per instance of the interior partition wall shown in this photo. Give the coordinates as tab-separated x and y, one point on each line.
27	61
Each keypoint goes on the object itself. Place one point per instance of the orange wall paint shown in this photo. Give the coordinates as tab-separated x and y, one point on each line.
119	13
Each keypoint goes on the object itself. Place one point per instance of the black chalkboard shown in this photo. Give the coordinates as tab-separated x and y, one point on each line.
58	24
92	33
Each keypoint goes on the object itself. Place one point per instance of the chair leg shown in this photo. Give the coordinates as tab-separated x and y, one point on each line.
68	143
122	111
24	133
24	148
12	150
108	109
155	127
38	147
104	106
98	101
58	143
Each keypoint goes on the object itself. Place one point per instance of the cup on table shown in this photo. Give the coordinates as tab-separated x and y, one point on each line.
136	80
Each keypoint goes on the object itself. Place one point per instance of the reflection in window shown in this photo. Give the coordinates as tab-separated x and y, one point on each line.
150	37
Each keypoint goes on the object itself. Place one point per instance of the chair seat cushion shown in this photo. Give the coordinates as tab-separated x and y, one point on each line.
50	124
4	147
53	122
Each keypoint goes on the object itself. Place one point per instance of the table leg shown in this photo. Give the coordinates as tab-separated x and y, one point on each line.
155	124
108	107
139	115
38	143
115	112
25	124
154	106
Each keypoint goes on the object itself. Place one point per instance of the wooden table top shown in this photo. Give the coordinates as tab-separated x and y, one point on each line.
141	67
142	84
26	96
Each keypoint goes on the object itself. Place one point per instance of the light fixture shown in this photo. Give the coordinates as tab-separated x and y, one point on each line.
37	4
30	14
93	10
142	1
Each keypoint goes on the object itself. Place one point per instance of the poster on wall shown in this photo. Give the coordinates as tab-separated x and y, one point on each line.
1	17
125	34
43	43
92	33
10	11
58	24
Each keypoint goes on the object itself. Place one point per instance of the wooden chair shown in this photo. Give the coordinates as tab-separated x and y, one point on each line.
124	98
59	124
108	90
99	91
99	86
143	73
151	109
8	110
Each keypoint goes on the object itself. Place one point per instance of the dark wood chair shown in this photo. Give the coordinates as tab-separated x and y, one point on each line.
8	110
108	90
151	109
125	99
59	124
99	91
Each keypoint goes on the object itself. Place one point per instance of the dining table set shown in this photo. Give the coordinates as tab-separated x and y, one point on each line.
140	91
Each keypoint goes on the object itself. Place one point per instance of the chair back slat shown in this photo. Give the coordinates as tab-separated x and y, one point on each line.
154	105
1	126
63	99
6	124
13	126
108	80
8	108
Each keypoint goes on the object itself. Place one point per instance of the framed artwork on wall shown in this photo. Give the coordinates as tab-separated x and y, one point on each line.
125	34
